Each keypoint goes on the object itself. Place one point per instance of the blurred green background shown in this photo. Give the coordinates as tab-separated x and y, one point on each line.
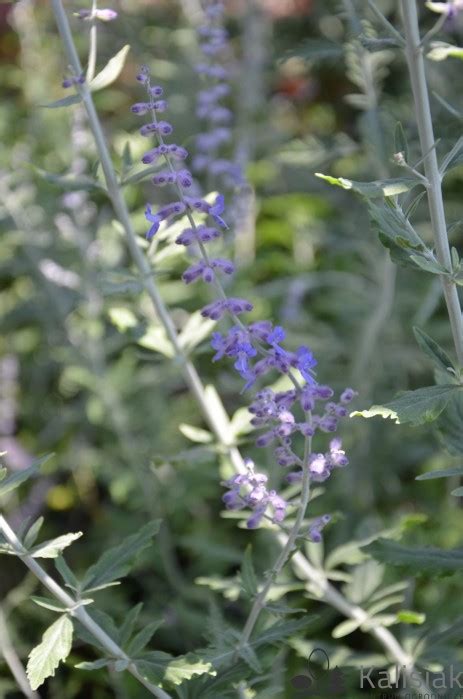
83	371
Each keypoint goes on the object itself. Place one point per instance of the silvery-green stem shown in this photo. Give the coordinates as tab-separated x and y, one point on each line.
415	61
76	611
7	650
215	418
91	66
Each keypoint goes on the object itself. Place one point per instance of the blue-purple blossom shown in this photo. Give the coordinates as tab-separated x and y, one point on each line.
308	409
316	527
249	490
216	72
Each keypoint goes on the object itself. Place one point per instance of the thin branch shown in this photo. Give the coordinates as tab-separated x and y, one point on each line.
13	661
77	611
417	73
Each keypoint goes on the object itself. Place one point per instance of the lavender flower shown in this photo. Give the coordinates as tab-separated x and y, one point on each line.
103	15
215	70
250	490
257	348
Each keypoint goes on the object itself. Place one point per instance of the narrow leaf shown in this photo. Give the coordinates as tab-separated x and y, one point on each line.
111	71
248	575
64	102
142	638
66	573
428	560
116	562
54	648
128	626
48	603
15	480
33	532
444	473
433	350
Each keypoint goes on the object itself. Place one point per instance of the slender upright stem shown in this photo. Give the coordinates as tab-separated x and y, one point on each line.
415	60
13	661
78	612
91	65
219	427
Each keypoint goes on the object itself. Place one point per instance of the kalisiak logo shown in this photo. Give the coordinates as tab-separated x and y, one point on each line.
319	681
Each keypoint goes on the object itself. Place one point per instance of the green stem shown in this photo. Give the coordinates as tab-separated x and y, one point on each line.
415	60
78	611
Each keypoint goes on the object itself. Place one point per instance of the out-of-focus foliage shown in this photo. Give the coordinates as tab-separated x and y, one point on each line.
86	371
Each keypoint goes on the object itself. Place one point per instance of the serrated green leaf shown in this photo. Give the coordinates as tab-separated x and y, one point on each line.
248	575
142	638
427	265
53	547
128	626
64	102
449	425
416	559
372	190
416	407
433	350
54	648
15	480
116	562
111	71
396	232
33	532
444	473
157	666
248	654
